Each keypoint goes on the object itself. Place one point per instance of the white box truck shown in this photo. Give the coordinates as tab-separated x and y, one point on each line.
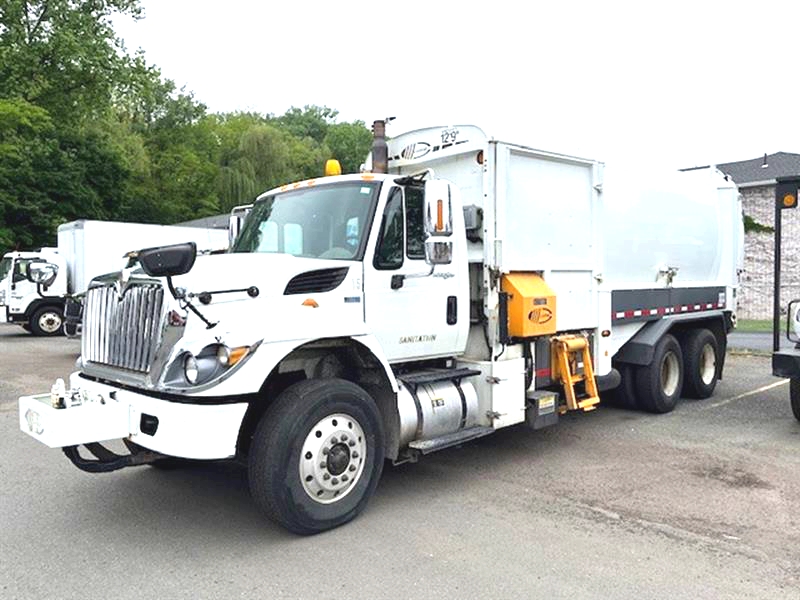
385	315
85	250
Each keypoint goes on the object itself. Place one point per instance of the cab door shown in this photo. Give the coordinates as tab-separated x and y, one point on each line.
415	314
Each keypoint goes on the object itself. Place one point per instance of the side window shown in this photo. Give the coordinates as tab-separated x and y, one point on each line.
415	227
20	270
389	251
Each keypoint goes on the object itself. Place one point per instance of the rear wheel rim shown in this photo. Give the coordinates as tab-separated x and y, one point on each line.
49	321
708	364
670	374
332	458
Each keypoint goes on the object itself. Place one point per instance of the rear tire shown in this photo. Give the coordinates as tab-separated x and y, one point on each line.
700	360
47	321
316	455
794	396
658	385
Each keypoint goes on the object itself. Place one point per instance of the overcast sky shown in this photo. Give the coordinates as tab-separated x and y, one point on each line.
677	83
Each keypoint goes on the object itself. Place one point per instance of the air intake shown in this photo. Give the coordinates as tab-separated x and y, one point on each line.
321	280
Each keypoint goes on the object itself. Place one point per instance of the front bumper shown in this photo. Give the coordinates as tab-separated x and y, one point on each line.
786	363
98	412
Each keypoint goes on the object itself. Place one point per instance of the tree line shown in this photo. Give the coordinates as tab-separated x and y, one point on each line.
90	131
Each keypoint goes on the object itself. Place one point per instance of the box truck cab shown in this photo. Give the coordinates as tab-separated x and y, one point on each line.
35	306
387	315
85	250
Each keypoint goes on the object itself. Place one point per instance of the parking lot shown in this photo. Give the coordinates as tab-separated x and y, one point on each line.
703	502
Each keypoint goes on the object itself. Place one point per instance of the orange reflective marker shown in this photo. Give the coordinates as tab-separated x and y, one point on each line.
237	354
439	215
310	302
789	200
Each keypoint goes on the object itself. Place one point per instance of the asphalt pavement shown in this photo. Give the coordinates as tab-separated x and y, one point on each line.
756	341
701	503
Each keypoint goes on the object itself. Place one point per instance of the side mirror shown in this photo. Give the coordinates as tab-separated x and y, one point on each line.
793	322
42	273
438	208
167	261
438	253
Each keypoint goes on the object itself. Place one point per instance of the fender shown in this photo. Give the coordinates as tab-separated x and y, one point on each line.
56	301
639	350
269	354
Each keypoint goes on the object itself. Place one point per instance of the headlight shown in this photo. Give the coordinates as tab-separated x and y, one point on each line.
211	363
2	296
190	369
223	355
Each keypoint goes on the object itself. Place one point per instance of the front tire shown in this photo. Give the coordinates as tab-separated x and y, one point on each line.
47	321
317	455
700	360
794	396
658	385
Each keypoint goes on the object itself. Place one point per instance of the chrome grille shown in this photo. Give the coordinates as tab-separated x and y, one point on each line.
122	332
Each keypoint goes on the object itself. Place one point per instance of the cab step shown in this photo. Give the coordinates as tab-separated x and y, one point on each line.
451	439
433	375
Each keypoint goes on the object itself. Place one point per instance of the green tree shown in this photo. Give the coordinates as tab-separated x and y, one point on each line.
62	55
259	162
349	143
49	176
310	121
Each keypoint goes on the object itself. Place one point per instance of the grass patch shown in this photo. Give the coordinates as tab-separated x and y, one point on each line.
757	325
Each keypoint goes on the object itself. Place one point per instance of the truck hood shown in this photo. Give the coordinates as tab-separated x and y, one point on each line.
270	273
296	297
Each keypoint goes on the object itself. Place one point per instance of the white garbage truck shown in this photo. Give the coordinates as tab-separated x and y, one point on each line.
85	250
462	286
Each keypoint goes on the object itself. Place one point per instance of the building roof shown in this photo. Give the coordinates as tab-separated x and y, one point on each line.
215	222
753	172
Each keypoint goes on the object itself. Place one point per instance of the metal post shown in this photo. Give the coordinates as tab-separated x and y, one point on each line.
776	298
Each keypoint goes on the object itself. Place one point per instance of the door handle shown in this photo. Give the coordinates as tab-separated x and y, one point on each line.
452	310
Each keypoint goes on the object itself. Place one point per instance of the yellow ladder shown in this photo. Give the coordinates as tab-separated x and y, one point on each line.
567	352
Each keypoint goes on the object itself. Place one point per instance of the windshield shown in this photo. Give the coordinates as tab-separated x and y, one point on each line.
5	266
326	221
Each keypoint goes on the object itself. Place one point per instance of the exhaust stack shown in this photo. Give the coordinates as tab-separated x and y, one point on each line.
380	151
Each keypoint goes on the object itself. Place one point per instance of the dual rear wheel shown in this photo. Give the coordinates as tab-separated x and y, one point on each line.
688	368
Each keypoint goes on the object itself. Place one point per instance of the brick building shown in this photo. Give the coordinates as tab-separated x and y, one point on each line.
756	181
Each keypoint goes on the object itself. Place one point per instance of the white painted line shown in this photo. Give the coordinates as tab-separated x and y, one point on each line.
751	393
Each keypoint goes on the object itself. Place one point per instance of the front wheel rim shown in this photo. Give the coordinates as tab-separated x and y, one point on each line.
708	364
332	458
669	374
49	322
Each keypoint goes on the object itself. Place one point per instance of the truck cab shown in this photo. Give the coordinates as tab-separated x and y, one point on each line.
37	308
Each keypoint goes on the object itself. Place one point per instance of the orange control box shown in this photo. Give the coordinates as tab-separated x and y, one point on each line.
531	305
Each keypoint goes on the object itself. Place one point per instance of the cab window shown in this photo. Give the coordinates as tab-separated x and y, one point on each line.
389	251
415	227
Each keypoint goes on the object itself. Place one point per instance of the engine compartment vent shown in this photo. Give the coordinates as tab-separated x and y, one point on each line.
321	280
